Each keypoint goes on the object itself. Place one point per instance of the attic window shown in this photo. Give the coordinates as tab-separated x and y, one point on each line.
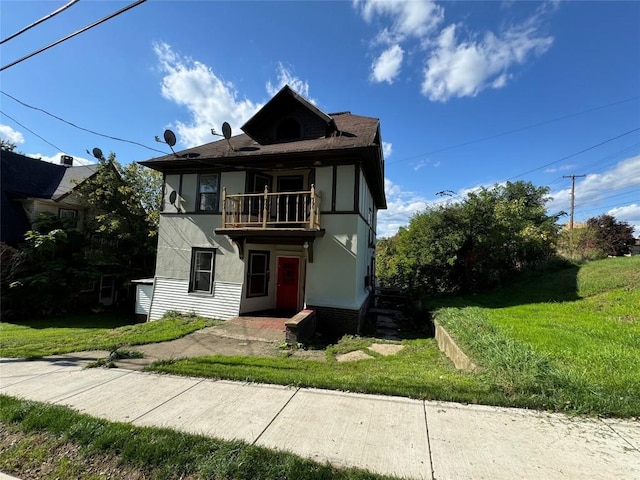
288	129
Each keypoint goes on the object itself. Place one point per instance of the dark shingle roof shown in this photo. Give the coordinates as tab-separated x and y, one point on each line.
25	177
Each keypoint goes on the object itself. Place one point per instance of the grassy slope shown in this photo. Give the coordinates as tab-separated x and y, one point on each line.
88	332
569	340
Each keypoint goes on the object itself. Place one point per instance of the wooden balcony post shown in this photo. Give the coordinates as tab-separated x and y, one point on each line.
312	211
224	206
264	208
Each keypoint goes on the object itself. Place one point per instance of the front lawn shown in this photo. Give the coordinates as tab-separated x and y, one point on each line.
569	340
101	331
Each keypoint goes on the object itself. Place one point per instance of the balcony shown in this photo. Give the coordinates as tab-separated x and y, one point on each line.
271	210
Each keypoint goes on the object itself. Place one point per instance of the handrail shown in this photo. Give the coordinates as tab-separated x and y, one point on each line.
297	210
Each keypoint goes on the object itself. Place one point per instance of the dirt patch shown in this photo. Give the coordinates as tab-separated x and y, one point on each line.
63	459
244	336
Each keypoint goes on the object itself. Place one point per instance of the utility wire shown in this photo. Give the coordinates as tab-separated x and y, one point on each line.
591	202
509	132
29	130
71	35
574	154
82	128
38	22
603	207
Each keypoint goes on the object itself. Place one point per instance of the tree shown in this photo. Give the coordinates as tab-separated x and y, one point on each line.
472	244
608	236
7	145
125	205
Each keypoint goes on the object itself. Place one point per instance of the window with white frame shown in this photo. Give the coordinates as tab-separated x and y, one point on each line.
208	192
68	215
258	274
202	270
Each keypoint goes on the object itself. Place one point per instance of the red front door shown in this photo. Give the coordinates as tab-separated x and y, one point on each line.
287	291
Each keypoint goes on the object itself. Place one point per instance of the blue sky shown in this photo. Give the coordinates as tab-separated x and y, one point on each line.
467	93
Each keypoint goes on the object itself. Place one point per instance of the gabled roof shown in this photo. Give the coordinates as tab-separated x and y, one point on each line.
346	138
24	177
282	104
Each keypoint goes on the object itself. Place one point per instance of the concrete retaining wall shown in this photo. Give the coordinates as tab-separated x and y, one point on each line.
452	350
300	327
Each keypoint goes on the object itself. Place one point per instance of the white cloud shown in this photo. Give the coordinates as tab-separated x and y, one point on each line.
387	66
409	18
401	206
561	168
452	67
56	158
387	149
285	77
595	187
462	69
209	99
11	135
629	214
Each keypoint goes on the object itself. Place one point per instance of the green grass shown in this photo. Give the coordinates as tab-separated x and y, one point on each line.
568	340
157	453
420	370
104	331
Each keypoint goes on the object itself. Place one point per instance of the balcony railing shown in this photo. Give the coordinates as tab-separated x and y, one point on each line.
299	210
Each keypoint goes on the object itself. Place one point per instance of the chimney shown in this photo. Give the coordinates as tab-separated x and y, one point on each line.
66	160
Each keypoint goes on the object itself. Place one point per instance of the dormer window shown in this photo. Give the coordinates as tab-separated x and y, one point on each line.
288	129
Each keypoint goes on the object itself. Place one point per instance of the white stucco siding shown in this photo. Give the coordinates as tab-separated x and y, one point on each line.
234	182
324	185
173	294
363	260
177	236
345	184
331	278
189	192
366	199
171	184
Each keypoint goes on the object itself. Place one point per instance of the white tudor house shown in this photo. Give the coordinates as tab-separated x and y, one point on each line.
279	218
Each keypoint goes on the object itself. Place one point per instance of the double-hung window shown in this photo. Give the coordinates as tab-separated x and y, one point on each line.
258	274
202	270
208	192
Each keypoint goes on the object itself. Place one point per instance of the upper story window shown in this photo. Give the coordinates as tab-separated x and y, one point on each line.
208	192
288	129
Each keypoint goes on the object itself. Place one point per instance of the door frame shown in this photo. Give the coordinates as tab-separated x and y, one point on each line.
299	287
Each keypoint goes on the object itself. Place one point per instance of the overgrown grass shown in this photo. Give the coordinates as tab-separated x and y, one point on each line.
103	331
158	453
420	370
578	350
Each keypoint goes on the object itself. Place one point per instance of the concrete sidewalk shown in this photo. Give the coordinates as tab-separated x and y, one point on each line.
389	435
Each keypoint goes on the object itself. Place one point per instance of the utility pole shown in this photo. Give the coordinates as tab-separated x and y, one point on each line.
573	198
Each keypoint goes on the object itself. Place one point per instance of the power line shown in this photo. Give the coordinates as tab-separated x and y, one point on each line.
38	22
603	207
71	35
29	130
575	154
520	129
82	128
591	202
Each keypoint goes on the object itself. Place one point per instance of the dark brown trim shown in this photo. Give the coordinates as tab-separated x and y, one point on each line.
334	181
356	187
164	188
180	184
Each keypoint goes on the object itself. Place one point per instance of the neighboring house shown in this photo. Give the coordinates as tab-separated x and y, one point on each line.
635	248
282	217
31	186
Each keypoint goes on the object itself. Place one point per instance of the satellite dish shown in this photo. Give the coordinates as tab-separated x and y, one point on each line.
97	153
172	197
170	138
226	130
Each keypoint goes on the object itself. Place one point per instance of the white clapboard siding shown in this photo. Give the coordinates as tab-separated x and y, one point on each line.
173	294
143	298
